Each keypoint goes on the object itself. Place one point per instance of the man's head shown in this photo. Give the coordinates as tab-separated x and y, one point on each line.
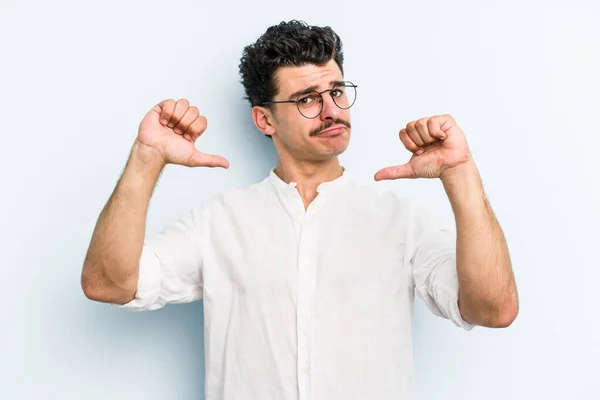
279	70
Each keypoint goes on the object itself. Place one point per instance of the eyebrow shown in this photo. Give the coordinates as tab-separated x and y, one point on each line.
312	88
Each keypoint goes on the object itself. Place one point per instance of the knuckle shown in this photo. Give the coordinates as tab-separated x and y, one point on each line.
168	108
198	126
193	114
408	143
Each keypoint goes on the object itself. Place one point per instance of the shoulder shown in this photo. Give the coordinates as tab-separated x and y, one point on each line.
375	196
407	216
380	202
240	199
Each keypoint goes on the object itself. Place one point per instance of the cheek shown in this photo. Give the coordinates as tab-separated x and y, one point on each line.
300	127
293	129
346	115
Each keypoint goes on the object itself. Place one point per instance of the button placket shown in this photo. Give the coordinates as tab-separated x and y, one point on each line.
306	293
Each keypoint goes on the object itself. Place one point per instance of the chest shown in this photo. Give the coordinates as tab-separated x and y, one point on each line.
337	252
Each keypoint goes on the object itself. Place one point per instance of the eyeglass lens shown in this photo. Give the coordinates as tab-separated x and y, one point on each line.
311	104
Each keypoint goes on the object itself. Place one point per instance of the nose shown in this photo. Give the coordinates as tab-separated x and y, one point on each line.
330	110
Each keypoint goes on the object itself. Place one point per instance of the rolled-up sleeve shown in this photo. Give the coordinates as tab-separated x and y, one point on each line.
170	266
433	267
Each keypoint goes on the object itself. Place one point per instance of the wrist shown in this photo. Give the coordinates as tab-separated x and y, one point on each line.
146	157
466	171
463	184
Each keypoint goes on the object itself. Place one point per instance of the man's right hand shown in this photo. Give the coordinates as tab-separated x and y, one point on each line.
171	129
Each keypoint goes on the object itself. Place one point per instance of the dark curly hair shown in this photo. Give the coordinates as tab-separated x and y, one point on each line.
292	43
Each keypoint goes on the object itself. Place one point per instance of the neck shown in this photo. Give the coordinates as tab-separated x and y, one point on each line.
308	175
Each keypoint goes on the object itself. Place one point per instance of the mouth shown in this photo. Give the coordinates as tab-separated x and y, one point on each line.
333	131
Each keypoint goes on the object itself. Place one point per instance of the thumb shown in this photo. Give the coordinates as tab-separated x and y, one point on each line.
200	159
395	172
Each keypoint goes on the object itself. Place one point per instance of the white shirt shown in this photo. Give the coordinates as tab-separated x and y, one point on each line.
313	305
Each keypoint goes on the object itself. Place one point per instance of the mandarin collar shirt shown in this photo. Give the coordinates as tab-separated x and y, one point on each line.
299	304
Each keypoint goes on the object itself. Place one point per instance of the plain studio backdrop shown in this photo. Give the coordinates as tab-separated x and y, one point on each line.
521	79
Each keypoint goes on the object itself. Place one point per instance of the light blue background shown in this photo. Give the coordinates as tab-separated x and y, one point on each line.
520	77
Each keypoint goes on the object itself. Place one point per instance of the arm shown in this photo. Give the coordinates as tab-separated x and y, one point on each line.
111	270
487	289
111	266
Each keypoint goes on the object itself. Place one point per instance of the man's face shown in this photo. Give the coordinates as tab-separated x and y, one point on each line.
304	139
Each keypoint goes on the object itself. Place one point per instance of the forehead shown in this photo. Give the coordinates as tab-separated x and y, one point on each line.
292	79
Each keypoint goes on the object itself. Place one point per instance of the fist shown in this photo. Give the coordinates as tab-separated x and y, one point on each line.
437	145
171	128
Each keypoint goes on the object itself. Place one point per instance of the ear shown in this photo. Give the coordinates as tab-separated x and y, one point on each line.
263	119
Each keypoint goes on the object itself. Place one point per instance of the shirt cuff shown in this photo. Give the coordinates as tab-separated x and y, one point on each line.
449	301
148	286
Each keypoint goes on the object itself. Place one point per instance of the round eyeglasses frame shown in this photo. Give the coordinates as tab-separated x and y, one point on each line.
302	95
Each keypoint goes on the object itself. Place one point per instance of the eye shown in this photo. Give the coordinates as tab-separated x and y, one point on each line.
337	92
305	100
310	99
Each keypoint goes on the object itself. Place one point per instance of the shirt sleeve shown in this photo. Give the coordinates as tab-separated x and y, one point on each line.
433	266
170	266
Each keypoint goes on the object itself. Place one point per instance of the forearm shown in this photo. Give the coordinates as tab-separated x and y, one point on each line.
111	266
487	290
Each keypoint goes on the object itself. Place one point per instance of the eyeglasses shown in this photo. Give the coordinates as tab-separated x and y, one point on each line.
310	103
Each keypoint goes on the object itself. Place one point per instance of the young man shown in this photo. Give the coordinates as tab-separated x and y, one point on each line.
307	277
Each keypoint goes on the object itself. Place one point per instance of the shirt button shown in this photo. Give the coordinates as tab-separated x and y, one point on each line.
305	369
306	261
304	314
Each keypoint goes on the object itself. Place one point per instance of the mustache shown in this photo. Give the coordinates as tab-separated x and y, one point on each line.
329	124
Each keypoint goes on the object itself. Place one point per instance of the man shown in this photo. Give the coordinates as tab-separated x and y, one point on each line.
307	277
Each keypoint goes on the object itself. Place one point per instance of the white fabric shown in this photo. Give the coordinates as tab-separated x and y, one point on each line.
305	305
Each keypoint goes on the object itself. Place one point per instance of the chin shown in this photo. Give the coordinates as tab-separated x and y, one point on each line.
336	148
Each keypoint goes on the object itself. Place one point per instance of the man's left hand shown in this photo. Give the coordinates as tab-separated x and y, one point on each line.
438	145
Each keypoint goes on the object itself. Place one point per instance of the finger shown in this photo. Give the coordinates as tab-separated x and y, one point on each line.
187	137
165	109
435	129
423	131
407	141
180	108
396	172
200	159
414	135
190	115
197	127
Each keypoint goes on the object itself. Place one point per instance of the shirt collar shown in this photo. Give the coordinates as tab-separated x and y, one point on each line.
329	185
